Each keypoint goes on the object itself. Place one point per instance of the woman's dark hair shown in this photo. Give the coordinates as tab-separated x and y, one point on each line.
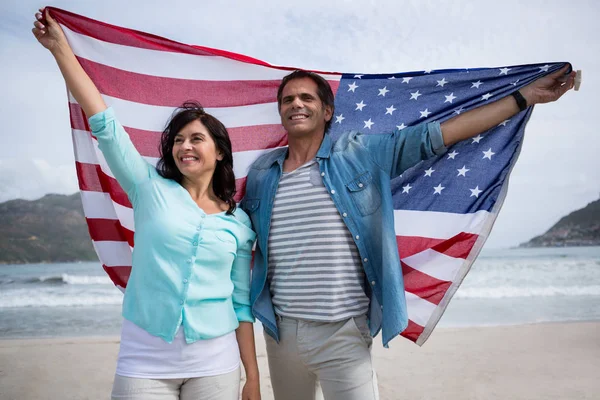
223	177
323	90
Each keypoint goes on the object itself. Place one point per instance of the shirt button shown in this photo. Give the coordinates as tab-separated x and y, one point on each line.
357	237
372	283
365	259
322	173
195	243
360	185
332	191
189	261
181	302
344	215
198	229
185	281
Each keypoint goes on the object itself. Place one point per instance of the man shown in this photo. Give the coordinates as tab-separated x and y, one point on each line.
327	275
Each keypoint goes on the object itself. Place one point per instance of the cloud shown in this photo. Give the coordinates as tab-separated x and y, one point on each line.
31	179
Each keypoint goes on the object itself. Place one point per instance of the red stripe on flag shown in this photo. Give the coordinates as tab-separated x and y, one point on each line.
119	275
93	179
412	331
240	187
425	286
78	118
172	92
109	230
411	245
458	246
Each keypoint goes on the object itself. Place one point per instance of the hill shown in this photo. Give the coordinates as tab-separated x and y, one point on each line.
580	228
50	229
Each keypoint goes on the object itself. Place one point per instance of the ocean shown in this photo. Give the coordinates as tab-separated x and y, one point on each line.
504	287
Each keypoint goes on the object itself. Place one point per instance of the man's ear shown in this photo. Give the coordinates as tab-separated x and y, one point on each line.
328	113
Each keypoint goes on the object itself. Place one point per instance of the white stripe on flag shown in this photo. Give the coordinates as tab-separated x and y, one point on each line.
170	64
155	118
97	205
437	225
84	147
113	254
125	215
435	264
419	310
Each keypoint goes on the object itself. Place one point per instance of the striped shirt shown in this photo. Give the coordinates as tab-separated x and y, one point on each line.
315	271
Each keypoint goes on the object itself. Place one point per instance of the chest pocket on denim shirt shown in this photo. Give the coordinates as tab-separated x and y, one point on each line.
364	193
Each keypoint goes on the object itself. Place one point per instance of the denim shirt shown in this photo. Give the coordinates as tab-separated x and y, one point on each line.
356	170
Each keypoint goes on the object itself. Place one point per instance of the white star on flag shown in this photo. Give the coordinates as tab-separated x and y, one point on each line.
463	171
429	171
383	91
452	155
544	68
360	106
503	123
339	118
415	95
476	84
477	138
504	71
390	110
406	79
352	87
401	126
425	113
450	98
488	154
438	189
406	189
368	123
441	82
486	96
475	192
358	76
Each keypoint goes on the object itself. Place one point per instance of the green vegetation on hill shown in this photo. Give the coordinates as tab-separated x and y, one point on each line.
50	229
580	228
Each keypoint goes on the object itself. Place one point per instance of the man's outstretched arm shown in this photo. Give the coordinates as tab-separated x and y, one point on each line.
471	123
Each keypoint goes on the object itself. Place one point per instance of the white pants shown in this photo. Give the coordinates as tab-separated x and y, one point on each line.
218	387
337	355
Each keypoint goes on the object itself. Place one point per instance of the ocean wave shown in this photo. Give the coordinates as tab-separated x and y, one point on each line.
67	279
59	301
511	291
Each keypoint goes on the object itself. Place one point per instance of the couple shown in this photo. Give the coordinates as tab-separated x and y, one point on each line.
190	301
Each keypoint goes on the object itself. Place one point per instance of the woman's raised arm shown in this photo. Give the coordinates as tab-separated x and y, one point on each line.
47	31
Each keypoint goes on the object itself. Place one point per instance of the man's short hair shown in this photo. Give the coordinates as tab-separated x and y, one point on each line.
323	90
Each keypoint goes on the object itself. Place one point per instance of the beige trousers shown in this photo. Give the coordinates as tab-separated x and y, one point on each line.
218	387
337	355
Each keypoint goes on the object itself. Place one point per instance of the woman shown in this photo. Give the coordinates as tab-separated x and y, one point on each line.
189	285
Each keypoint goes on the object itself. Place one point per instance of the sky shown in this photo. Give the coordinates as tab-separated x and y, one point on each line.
559	167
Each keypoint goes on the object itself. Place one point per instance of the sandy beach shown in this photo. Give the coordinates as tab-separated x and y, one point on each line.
540	361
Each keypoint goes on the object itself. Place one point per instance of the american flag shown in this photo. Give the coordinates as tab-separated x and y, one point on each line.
444	207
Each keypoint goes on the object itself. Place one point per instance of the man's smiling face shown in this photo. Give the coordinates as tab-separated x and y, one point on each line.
301	110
